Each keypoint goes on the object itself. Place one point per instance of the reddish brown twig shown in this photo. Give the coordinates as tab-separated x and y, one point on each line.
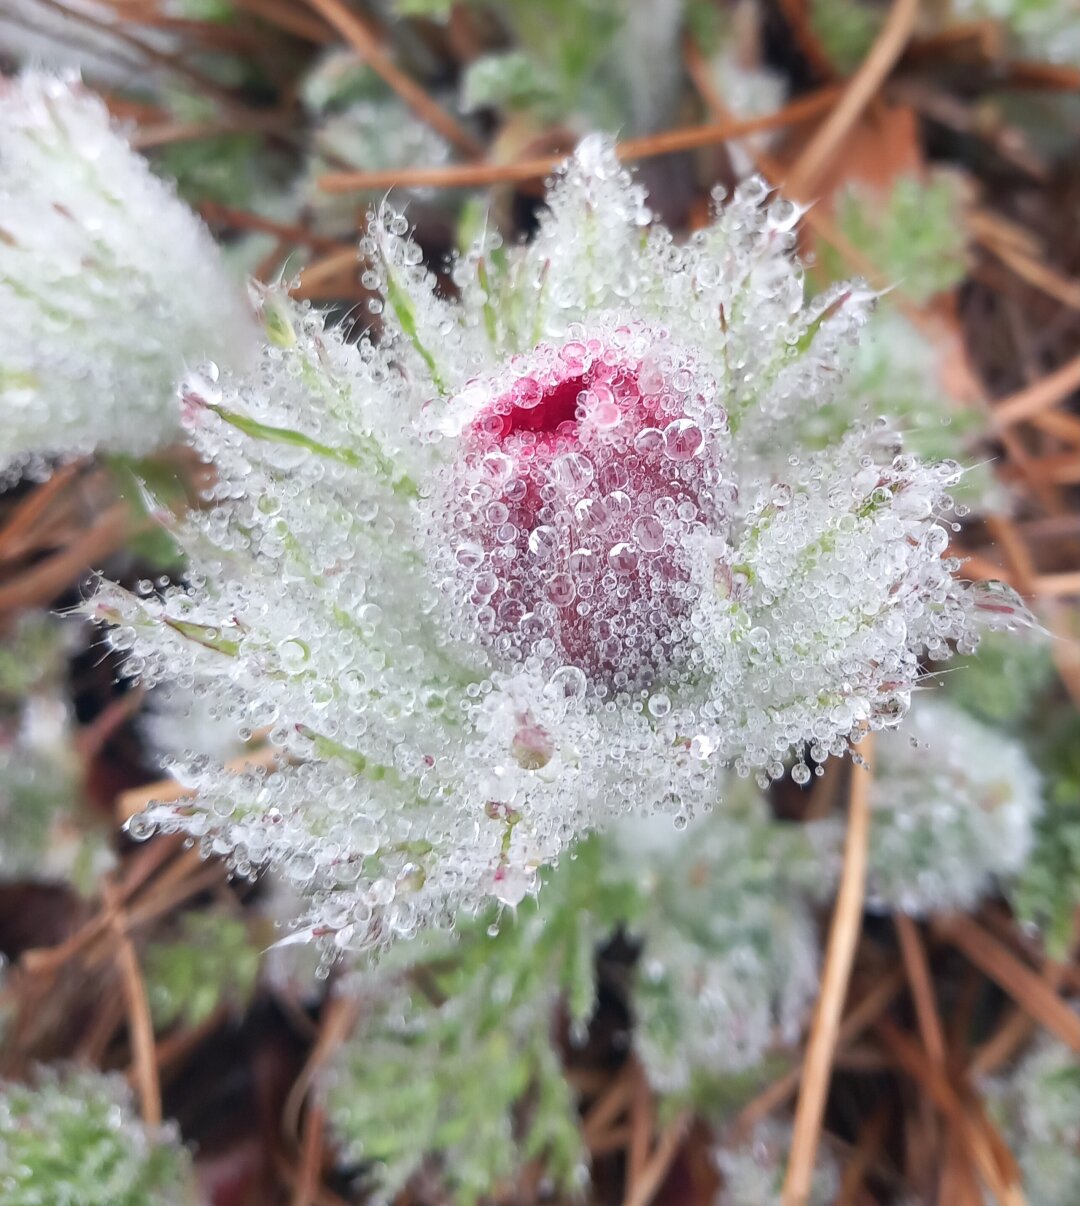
843	936
367	46
140	1024
477	175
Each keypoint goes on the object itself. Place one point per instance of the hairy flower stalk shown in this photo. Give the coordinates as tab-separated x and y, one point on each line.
110	289
538	557
460	1056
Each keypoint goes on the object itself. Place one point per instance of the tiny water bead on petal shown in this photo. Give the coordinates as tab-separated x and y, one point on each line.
585	519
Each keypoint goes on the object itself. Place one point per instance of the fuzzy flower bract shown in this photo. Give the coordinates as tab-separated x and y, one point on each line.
109	287
528	560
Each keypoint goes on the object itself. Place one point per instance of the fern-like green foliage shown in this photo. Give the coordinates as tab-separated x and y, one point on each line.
846	29
456	1059
213	961
608	63
914	235
1002	683
73	1138
48	832
31	660
1047	894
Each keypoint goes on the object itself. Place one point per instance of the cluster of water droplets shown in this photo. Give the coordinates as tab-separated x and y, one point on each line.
109	285
519	563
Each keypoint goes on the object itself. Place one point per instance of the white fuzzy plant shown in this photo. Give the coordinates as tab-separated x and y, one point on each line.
954	806
753	1170
72	1137
526	561
49	832
110	288
728	968
1037	1105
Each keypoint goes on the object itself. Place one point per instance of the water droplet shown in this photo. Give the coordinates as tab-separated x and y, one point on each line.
682	439
623	558
567	683
572	471
649	534
560	589
543	542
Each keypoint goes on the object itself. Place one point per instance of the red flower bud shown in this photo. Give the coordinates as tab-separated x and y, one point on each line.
592	466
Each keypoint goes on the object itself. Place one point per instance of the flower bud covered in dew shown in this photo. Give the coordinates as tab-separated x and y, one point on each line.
523	562
110	288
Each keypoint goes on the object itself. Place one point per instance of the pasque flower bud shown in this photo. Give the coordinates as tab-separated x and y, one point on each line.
593	467
537	557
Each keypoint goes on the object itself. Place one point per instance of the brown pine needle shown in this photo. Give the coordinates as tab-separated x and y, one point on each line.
922	988
871	1138
611	1105
1003	1045
477	175
16	534
1055	387
843	936
367	46
988	1155
864	1014
1057	585
341	263
338	1019
285	15
1038	274
45	580
308	1174
140	1024
292	232
1026	987
863	86
1052	76
642	1124
645	1187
